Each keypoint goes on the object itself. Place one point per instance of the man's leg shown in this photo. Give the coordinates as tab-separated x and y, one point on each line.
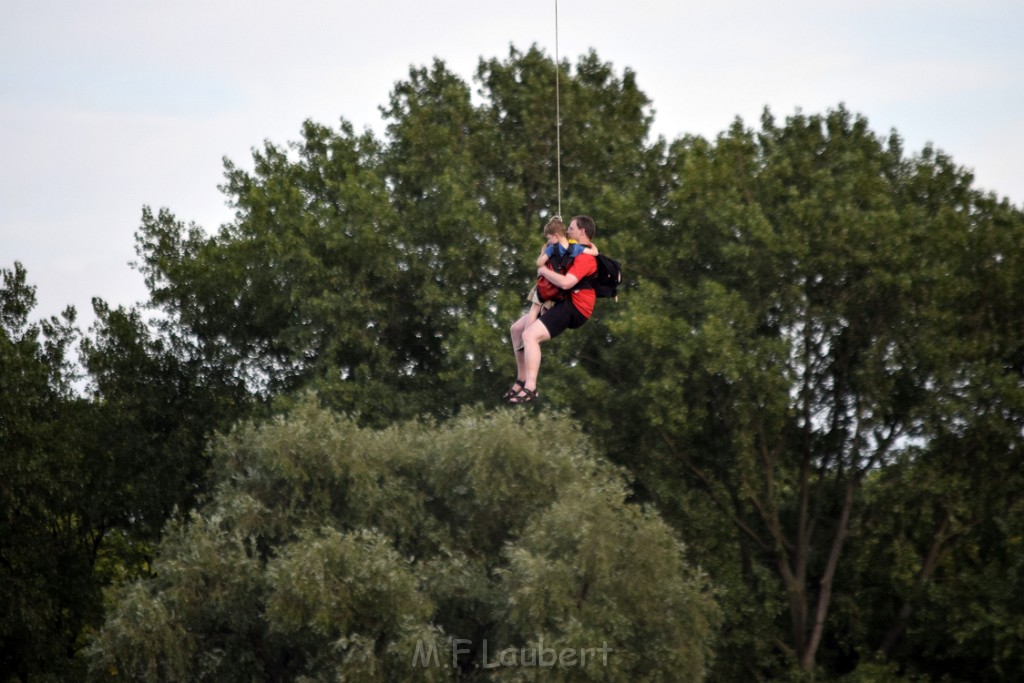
516	333
532	338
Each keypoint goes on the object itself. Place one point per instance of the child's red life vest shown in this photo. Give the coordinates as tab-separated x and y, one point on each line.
546	290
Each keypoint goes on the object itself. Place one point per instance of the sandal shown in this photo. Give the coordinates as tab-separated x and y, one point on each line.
524	396
514	391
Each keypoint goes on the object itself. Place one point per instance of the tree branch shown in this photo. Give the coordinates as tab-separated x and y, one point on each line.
825	594
940	547
706	481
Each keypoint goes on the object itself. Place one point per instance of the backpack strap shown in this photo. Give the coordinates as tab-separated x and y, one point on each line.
588	281
563	262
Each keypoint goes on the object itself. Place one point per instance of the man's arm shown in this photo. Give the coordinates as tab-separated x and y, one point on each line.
557	279
583	267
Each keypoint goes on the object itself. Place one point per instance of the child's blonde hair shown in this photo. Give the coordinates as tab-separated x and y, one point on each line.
555	226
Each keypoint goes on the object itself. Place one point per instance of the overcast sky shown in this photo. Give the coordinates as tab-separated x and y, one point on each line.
107	106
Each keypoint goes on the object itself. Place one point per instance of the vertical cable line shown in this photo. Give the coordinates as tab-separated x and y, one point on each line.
558	117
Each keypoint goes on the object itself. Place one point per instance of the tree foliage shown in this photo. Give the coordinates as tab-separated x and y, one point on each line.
48	544
96	452
416	552
384	273
818	319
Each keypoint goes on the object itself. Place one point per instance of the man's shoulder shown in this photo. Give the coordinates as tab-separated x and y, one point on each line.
584	263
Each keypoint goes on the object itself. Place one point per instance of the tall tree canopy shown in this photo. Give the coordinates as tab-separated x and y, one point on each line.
47	541
820	317
95	455
381	272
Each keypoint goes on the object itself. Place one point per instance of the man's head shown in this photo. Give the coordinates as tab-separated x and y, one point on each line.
555	227
582	226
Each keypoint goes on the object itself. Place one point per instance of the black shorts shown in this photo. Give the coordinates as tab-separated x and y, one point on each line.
562	317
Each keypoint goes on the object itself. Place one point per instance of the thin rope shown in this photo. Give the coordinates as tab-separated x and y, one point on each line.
558	116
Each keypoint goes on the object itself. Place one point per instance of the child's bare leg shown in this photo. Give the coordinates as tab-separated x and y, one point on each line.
531	315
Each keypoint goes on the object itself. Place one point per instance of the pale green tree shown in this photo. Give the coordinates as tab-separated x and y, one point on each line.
471	550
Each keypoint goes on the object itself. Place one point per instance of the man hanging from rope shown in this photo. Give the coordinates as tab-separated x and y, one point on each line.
571	312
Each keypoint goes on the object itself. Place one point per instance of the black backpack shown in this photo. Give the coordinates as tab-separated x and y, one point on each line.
606	280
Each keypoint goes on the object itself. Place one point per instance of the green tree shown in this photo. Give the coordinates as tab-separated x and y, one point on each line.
948	554
154	403
304	284
386	273
810	317
48	543
418	552
96	452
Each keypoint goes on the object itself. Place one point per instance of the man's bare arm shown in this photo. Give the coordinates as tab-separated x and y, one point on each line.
558	279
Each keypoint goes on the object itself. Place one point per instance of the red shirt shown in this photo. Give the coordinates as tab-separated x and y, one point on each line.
583	266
